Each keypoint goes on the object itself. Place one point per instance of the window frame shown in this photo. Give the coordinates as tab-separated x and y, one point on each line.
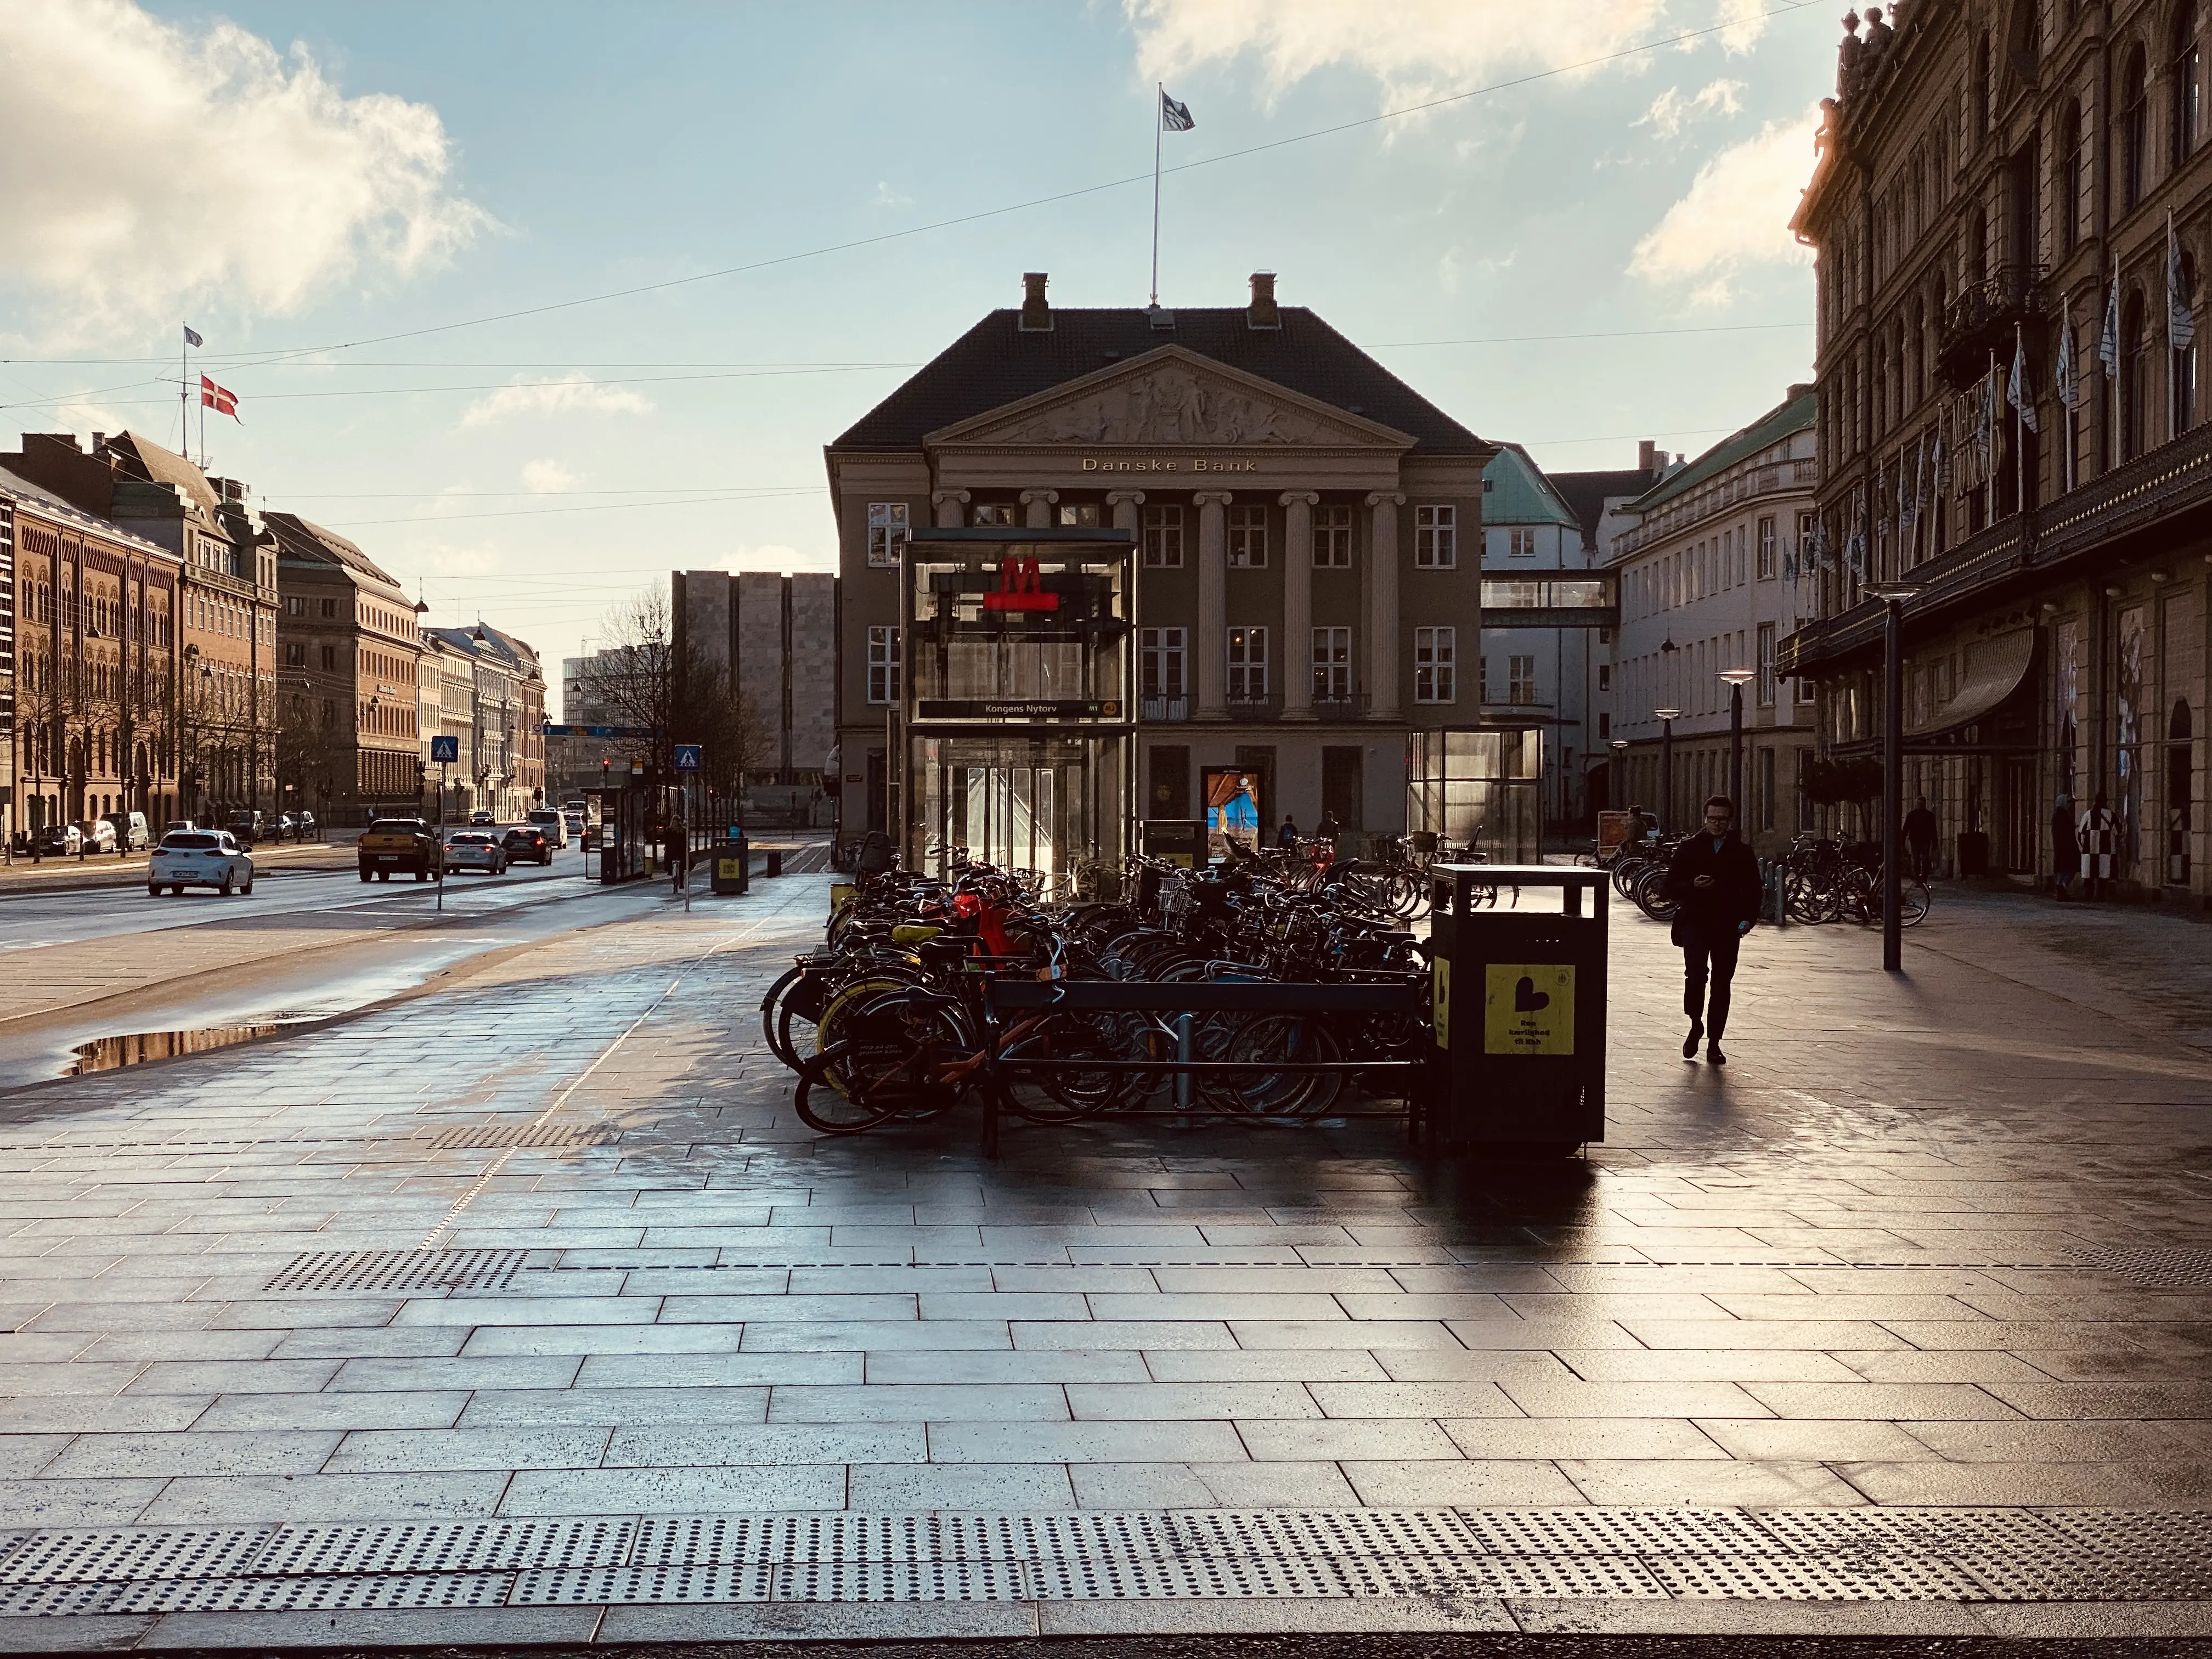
1435	537
890	529
1247	537
1156	651
1332	664
1332	535
884	665
1520	677
1245	649
1436	664
1159	536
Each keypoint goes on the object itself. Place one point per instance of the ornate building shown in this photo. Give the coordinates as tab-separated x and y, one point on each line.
2011	204
1305	533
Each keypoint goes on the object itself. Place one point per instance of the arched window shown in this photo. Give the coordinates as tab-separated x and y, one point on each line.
2072	174
2135	126
2188	82
2131	376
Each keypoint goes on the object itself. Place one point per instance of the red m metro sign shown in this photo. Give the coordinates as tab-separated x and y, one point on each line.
1020	588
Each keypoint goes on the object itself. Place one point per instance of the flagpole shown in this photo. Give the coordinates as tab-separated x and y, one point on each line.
1159	126
184	392
2019	426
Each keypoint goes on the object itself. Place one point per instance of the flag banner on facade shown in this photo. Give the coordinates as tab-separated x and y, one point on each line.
2180	321
2108	347
220	399
192	336
1986	423
2016	391
1939	462
2069	379
1175	117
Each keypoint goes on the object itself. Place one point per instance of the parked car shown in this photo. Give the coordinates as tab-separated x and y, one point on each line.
473	849
527	841
248	826
304	827
95	835
390	844
57	841
199	858
131	835
179	826
482	816
545	819
286	829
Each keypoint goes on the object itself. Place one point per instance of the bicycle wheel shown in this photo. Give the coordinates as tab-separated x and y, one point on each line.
1057	1096
1912	908
1649	896
892	1058
1277	1040
824	1100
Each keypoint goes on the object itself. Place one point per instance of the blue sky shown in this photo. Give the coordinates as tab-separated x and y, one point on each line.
291	176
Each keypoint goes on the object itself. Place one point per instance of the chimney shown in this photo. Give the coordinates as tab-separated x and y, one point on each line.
1261	313
99	442
1037	315
1647	456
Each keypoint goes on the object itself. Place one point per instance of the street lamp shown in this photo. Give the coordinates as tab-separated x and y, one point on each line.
1737	679
1614	785
1667	719
1892	596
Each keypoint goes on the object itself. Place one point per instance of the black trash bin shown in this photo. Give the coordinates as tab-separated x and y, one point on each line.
1520	1007
732	861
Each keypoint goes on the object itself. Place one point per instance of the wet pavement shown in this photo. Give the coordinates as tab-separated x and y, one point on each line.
528	1300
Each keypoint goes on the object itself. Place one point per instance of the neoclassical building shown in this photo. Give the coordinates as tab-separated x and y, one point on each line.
1303	529
2023	182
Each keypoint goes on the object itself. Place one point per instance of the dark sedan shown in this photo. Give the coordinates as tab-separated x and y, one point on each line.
527	841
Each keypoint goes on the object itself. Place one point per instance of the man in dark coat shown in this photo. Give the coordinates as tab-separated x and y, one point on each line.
1714	879
2065	850
1920	833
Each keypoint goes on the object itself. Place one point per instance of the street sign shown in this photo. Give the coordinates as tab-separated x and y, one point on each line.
687	757
445	748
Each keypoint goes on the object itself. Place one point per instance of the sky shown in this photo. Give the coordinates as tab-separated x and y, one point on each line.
538	301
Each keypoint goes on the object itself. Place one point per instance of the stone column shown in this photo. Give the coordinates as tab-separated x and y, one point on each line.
1382	603
1039	503
1125	503
948	503
1211	643
1297	603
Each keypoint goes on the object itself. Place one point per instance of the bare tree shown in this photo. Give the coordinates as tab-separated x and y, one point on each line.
670	691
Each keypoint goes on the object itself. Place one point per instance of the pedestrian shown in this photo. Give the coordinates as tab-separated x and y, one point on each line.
2065	850
2098	839
1328	829
1641	824
1287	836
1920	839
1713	880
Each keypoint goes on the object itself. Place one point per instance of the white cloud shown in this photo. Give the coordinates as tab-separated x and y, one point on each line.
1414	48
160	170
885	197
1735	213
1670	111
548	478
575	393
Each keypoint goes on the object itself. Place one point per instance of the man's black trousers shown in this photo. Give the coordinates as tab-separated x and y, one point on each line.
1709	961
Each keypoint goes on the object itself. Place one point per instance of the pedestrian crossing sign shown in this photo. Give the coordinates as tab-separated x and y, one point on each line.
1529	1008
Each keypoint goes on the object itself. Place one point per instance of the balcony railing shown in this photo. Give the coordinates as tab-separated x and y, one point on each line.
1162	710
1254	705
1349	706
1980	319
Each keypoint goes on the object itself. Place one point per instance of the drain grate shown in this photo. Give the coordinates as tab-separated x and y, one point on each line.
487	1137
400	1270
2157	1266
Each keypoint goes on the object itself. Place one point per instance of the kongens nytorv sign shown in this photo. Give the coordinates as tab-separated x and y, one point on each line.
1155	464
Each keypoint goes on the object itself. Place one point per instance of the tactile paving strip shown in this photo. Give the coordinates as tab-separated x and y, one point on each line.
1813	1555
2159	1266
400	1270
486	1137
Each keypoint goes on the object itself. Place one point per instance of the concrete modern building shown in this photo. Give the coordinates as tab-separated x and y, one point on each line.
776	637
1708	571
349	734
2020	183
1304	533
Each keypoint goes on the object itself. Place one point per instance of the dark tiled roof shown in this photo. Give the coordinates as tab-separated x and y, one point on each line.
994	364
1587	493
299	535
158	466
1795	413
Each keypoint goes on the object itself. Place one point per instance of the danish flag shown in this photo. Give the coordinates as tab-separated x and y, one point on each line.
220	399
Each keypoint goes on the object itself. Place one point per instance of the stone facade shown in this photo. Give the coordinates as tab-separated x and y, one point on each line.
2027	182
777	635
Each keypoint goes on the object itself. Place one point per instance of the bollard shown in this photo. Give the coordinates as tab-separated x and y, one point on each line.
775	861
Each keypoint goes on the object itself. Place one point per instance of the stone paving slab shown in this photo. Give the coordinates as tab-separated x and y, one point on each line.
1929	1242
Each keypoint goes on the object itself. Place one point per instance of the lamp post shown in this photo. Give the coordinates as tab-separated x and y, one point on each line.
1614	785
1892	596
1667	719
1737	679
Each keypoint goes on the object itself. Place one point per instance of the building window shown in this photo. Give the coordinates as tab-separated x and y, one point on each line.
1332	664
888	531
1332	537
999	515
1162	532
295	606
1248	664
1248	537
882	665
330	660
1436	657
1521	543
296	655
1521	680
1604	724
1604	677
1436	538
1081	516
330	608
2188	83
1766	666
2135	129
1161	655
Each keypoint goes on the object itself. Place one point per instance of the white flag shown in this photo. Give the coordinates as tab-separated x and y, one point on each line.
2180	321
1940	463
2017	392
2069	378
2108	347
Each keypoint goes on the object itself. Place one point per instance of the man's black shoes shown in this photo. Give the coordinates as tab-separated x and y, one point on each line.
1714	1056
1690	1043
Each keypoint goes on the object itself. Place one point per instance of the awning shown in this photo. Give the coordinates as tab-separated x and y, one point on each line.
1995	668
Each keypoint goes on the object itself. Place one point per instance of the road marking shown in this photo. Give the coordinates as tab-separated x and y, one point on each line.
491	1170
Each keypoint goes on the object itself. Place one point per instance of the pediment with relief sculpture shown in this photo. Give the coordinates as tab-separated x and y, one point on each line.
1171	396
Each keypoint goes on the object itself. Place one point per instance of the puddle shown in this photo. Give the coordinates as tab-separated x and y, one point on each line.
112	1054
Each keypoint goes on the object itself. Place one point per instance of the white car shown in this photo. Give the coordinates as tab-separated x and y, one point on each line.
199	858
475	850
545	819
